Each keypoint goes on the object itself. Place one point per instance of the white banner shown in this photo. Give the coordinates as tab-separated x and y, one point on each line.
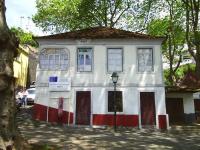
60	86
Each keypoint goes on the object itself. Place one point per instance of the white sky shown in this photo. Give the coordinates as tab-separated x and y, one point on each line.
19	13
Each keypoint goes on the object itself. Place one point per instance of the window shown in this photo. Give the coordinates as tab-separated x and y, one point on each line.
114	60
119	104
54	59
145	59
84	59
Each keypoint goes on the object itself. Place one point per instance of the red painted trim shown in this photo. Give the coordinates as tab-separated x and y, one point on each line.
122	120
40	113
162	121
63	118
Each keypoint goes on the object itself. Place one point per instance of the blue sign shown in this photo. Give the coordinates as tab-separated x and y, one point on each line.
53	79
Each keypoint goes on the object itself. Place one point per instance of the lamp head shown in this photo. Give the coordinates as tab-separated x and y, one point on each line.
114	77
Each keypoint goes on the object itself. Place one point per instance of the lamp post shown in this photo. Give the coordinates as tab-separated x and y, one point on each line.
115	79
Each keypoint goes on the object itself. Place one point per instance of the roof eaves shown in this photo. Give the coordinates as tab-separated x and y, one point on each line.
176	89
100	33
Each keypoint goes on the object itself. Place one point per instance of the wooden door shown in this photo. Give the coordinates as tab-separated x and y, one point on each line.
147	106
175	111
197	105
83	107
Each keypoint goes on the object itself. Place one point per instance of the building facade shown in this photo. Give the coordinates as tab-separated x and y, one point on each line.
20	67
74	85
182	101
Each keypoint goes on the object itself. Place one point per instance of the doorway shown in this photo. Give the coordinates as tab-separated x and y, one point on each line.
83	107
175	110
147	107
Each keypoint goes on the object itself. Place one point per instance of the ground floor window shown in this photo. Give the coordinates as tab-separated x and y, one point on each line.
119	103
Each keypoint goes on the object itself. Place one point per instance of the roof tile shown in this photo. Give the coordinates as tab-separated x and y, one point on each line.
99	33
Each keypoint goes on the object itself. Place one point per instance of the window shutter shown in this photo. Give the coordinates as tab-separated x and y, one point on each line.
119	101
114	60
145	59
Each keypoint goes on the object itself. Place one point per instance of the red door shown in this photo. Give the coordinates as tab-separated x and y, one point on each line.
147	106
175	110
83	107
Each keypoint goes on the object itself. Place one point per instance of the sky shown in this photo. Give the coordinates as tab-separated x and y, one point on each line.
19	13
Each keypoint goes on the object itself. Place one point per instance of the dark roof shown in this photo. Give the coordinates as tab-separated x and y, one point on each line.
190	80
189	83
99	33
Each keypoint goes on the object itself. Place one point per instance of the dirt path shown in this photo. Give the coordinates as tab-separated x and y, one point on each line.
80	138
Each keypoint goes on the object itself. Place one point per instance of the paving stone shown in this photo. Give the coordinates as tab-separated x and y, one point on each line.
69	137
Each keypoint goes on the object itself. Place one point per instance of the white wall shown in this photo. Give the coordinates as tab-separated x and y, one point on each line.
99	99
196	95
99	74
49	98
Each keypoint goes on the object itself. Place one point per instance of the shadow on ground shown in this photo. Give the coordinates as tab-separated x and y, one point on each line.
54	137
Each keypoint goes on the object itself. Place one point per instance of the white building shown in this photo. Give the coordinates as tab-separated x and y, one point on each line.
78	65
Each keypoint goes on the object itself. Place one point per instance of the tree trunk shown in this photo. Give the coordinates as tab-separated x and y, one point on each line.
197	69
8	50
192	33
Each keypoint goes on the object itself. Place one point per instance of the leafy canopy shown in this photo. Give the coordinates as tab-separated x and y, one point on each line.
172	28
63	15
24	37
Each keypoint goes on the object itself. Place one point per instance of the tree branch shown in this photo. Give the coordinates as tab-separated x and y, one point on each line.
178	64
112	25
113	13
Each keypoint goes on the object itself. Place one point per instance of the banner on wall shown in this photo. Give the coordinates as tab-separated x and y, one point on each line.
59	84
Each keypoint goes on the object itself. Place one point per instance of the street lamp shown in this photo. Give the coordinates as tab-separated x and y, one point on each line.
115	79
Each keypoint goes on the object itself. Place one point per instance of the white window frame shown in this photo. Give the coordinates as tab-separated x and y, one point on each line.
145	65
84	59
122	53
59	66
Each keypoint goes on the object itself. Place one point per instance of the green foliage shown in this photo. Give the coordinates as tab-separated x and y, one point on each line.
62	15
158	27
180	73
24	37
184	69
161	27
148	10
56	15
172	28
166	77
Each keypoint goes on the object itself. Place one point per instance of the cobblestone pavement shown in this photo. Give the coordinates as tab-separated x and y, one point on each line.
80	138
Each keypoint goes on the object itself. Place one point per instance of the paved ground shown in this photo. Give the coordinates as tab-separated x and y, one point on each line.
80	138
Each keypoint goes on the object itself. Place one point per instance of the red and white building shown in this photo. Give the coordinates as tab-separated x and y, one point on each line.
183	101
75	69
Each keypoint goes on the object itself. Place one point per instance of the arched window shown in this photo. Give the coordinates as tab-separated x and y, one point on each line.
54	59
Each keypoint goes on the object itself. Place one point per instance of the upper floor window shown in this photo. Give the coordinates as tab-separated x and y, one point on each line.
84	59
145	59
54	59
115	60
